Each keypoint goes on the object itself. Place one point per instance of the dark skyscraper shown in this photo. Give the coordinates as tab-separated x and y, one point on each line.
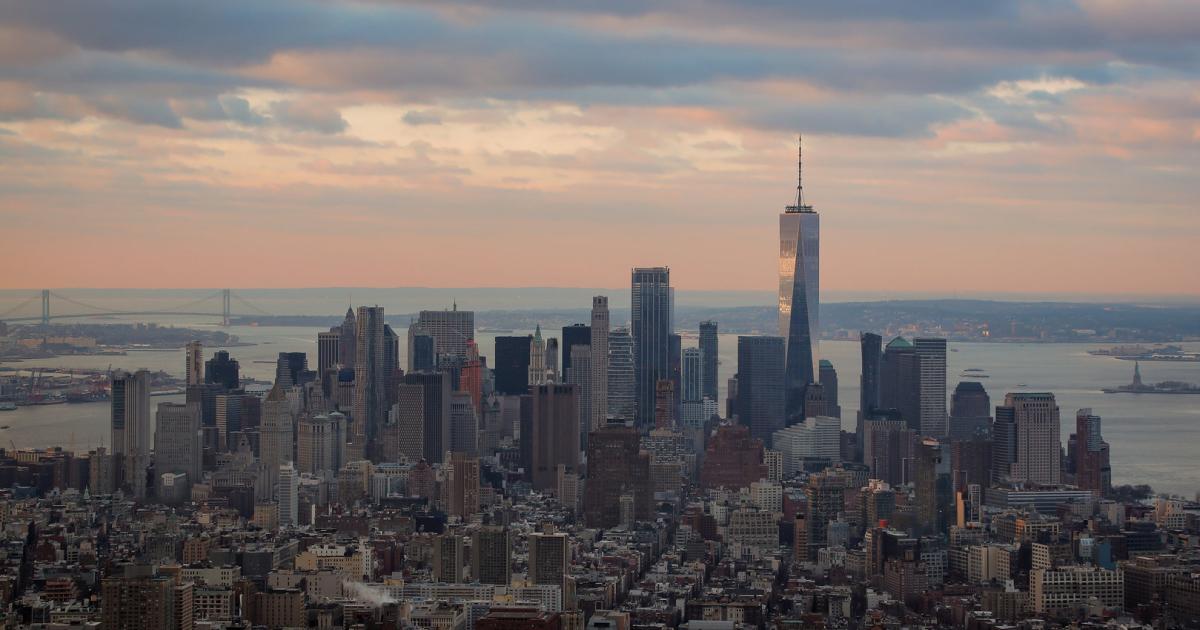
1091	455
435	426
222	370
970	409
760	395
871	346
553	433
708	359
290	367
347	344
931	365
328	350
799	295
899	381
829	384
573	335
512	365
616	466
422	353
369	409
651	311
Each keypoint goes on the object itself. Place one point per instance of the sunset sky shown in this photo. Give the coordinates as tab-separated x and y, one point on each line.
949	146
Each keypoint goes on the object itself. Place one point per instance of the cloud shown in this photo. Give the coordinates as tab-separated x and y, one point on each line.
308	115
417	118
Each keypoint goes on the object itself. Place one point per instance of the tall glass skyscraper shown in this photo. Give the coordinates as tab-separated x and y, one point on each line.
708	358
651	311
799	296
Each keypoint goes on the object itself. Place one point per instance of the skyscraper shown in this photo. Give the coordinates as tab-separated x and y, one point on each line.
422	355
464	424
825	500
435	397
899	381
195	363
970	412
573	335
491	556
130	425
464	485
370	399
651	311
348	344
289	488
537	357
222	370
799	294
1091	456
829	388
450	330
616	467
275	441
553	433
580	375
693	375
708	359
760	396
290	367
549	557
328	351
622	381
177	440
1035	443
871	347
512	365
931	361
599	359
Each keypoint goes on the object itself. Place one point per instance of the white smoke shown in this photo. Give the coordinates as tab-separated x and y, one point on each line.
367	594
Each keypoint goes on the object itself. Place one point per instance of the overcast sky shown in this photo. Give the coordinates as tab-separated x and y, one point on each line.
949	146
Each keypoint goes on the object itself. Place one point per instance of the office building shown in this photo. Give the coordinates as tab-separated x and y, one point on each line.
1033	450
1091	455
138	599
871	349
288	492
512	365
693	375
580	375
970	412
464	424
275	441
1059	591
598	409
708	359
348	343
491	555
448	558
573	335
760	391
328	350
222	370
549	557
464	485
422	351
537	358
194	371
799	295
290	368
435	407
825	501
815	442
932	487
828	378
733	458
177	441
553	432
451	330
320	440
664	406
622	379
617	467
931	362
551	363
652	325
370	381
899	381
129	396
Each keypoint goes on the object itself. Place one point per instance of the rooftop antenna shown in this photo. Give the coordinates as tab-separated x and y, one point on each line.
799	172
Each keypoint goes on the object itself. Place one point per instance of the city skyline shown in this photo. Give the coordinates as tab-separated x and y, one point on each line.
964	126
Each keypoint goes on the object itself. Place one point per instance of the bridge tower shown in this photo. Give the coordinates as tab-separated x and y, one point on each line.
225	307
45	307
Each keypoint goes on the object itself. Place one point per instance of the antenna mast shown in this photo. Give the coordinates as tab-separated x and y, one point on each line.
799	172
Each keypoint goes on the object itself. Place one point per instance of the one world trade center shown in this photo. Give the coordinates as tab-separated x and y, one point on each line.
799	295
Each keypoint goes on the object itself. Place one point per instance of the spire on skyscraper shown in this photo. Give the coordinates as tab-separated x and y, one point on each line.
799	171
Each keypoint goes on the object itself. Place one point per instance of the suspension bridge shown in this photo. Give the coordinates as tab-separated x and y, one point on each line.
204	306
